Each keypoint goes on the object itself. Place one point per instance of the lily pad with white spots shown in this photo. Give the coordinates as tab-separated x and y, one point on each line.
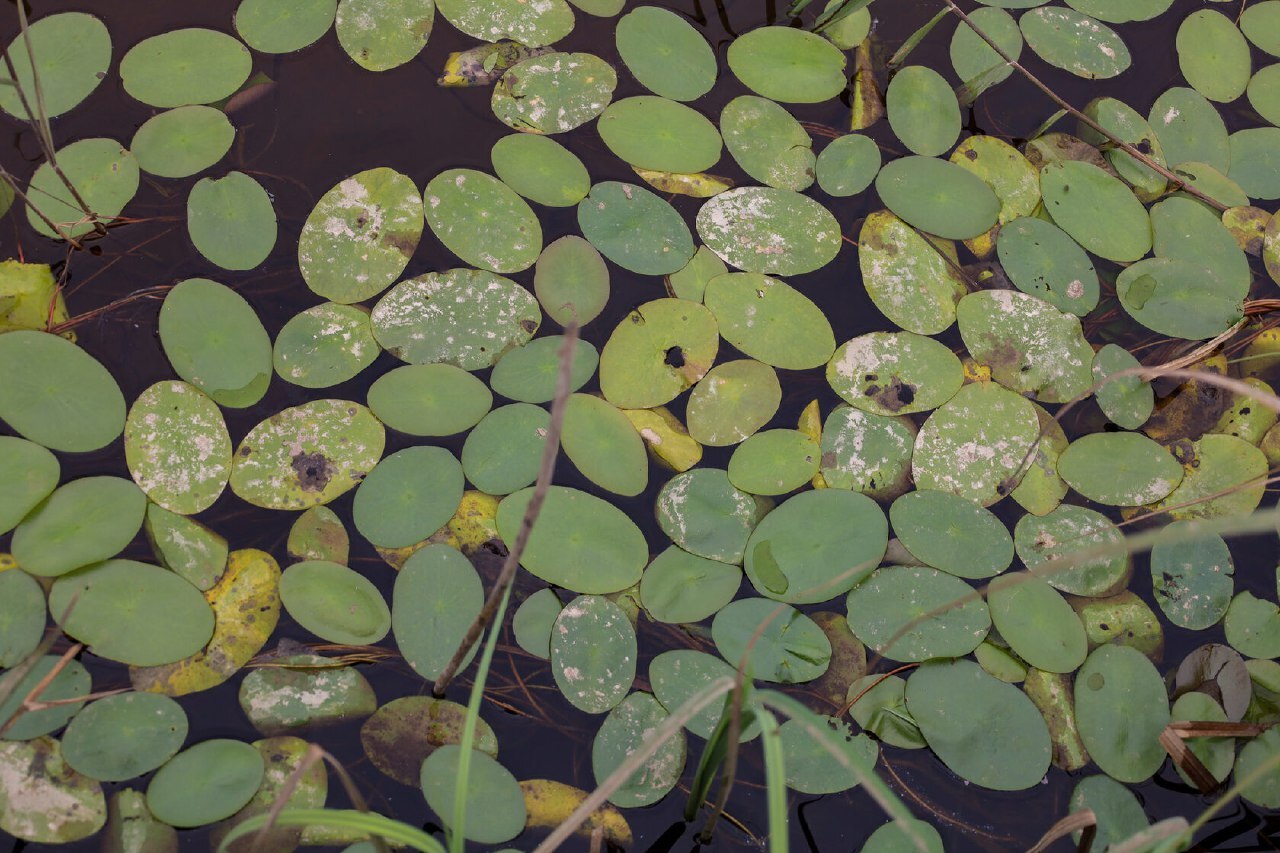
482	220
769	230
703	513
626	729
887	373
307	455
1074	42
468	318
380	35
185	546
907	276
867	453
1190	129
36	775
593	653
177	447
325	345
1224	476
304	691
554	92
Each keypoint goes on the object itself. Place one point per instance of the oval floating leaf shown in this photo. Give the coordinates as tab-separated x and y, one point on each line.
177	447
788	65
72	52
185	66
214	340
768	230
593	653
482	220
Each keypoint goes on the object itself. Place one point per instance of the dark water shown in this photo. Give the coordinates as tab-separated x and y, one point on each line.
327	119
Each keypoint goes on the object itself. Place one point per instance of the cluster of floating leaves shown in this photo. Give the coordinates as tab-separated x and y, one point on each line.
1021	251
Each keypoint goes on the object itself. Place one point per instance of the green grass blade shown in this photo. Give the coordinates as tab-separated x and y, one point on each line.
367	822
775	777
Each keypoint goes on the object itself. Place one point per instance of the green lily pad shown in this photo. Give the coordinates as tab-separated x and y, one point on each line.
1264	93
1030	346
383	34
769	230
972	57
923	111
1041	489
403	732
318	534
177	447
1098	211
951	533
528	374
690	281
22	616
774	462
307	455
183	141
706	515
214	340
133	613
469	318
529	25
334	602
893	597
82	522
29	474
1002	167
1037	623
104	174
938	196
867	453
1192	580
41	777
185	66
626	728
571	280
72	54
847	165
974	444
554	92
881	709
504	451
436	598
1252	626
816	546
906	276
1190	129
269	27
1066	39
679	674
205	783
185	546
733	401
1127	401
768	143
593	653
580	542
1186	230
1071	528
887	373
810	766
325	345
1260	23
656	352
650	132
1180	298
429	399
304	691
482	220
540	169
1257	753
604	446
124	736
1121	709
789	646
788	65
1217	754
491	791
360	235
892	838
1128	125
1218	465
666	53
679	587
635	229
71	682
408	496
533	621
1119	814
231	221
1043	261
770	321
1119	468
1213	55
984	730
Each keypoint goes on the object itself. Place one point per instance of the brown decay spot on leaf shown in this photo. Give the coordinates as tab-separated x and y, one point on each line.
314	471
894	396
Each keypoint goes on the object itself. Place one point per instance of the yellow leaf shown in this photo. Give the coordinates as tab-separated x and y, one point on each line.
667	439
550	803
696	184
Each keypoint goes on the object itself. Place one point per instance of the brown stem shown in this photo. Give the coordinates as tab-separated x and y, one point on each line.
34	694
1057	99
540	489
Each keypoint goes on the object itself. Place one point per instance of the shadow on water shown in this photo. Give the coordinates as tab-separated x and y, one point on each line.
324	120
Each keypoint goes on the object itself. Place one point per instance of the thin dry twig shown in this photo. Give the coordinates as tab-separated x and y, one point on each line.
1081	821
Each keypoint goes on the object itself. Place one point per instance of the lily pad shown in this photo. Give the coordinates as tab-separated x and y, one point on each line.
952	534
231	221
679	674
510	19
383	34
132	612
124	736
938	196
1260	752
72	54
888	373
1098	211
656	352
1126	400
29	474
429	399
626	728
360	235
1254	164
635	229
183	141
923	112
1213	55
774	462
437	596
1127	125
1252	626
551	93
971	56
104	174
1121	709
325	345
769	230
1180	298
848	165
205	783
650	132
22	616
482	220
768	143
334	603
666	53
907	275
185	546
679	587
867	453
469	318
407	496
733	401
528	374
593	653
789	647
770	321
706	515
1037	623
185	66
70	683
1066	39
1043	261
571	280
533	621
892	598
1071	528
1002	167
82	522
504	451
270	27
788	65
1260	23
1192	580
214	340
491	790
177	447
307	455
604	446
540	169
36	776
580	542
1190	129
1224	476
1119	814
304	691
810	766
1119	468
403	732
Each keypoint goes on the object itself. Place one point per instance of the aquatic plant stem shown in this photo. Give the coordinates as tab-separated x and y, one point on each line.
1129	149
540	489
13	185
